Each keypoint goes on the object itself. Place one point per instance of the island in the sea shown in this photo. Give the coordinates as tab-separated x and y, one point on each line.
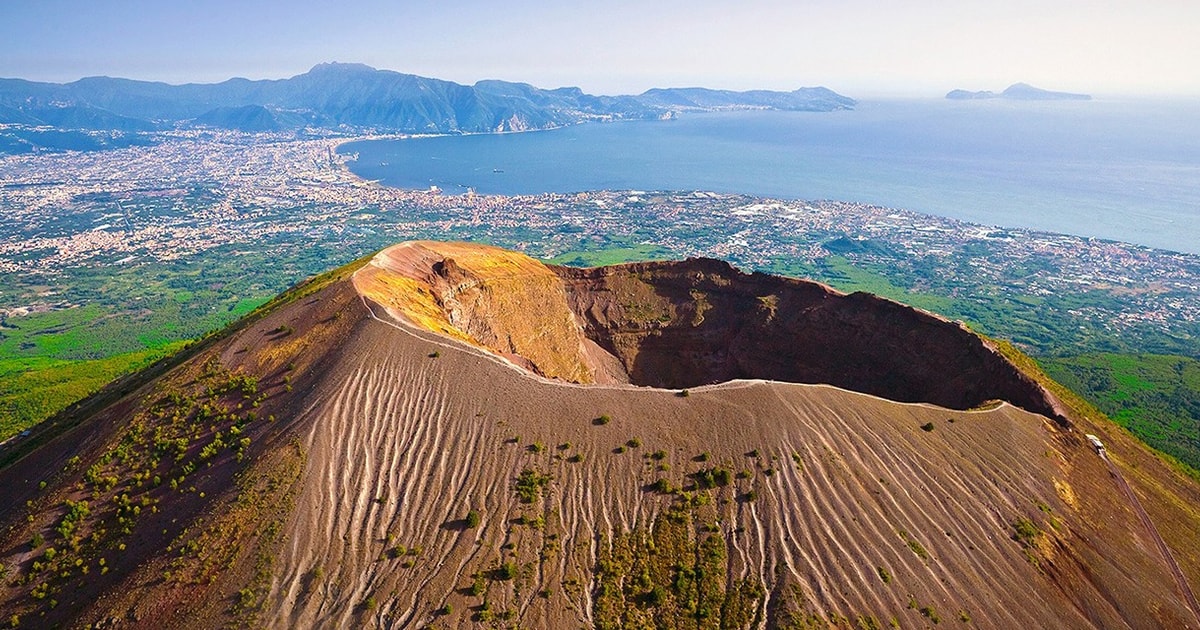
1018	92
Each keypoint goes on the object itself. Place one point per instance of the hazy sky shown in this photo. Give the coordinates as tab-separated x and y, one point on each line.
857	47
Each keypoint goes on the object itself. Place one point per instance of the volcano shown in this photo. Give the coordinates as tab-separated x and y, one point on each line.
454	435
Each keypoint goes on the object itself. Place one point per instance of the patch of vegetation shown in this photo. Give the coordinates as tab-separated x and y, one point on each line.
673	575
198	416
530	485
615	252
33	389
134	316
478	585
472	519
251	521
712	477
602	420
915	546
662	485
1155	397
927	427
884	575
536	522
506	571
1025	532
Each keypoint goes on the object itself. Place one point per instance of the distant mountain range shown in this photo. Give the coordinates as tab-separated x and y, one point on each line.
1018	92
351	98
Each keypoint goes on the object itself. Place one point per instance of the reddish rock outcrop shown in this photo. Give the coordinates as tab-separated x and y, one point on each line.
700	321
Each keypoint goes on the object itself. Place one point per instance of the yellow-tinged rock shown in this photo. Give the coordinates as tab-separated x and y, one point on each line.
497	299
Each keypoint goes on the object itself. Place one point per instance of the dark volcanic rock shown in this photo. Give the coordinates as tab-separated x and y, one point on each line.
700	321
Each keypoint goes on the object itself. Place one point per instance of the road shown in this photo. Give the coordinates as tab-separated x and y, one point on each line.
1149	525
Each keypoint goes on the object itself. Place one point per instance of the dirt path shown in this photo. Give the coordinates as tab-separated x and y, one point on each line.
1162	546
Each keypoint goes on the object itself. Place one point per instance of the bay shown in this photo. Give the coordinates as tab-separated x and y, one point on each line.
1126	170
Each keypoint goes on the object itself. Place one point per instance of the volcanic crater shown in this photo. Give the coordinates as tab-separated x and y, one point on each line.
685	324
457	436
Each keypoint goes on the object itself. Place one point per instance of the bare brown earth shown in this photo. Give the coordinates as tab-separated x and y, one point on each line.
336	491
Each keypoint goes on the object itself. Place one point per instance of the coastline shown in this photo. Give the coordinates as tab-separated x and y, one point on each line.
966	225
1092	199
259	214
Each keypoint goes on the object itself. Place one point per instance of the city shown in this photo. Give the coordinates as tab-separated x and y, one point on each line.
201	192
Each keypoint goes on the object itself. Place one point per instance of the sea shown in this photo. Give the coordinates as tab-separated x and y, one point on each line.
1126	170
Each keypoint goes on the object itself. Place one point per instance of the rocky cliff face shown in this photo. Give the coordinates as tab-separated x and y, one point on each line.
697	322
691	323
500	300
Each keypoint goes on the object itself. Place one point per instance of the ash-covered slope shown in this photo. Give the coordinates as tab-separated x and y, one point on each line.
356	457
